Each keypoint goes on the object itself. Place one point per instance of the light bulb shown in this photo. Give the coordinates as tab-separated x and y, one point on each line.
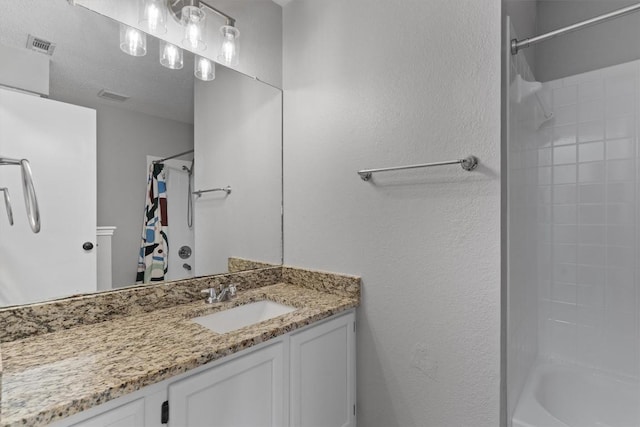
193	19
170	56
192	35
204	68
132	41
229	51
153	16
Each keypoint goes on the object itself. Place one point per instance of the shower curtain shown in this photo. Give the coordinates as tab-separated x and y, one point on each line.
153	256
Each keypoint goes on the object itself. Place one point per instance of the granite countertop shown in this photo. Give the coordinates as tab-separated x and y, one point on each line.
51	376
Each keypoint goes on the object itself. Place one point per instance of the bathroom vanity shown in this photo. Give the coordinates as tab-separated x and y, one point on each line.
139	359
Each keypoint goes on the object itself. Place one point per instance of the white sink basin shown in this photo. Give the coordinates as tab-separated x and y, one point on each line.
243	315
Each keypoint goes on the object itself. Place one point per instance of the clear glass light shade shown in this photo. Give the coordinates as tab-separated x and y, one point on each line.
132	41
193	20
170	55
229	54
204	69
152	16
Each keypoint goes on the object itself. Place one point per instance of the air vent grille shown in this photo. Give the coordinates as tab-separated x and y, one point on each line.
112	96
40	45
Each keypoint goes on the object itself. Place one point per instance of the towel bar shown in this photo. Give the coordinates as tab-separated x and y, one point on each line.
469	163
30	198
7	204
199	193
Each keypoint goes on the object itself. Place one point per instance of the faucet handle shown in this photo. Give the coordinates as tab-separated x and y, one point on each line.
211	295
232	290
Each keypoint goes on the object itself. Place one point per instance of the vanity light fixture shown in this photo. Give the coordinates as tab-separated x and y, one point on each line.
183	12
191	14
205	69
132	41
152	16
170	55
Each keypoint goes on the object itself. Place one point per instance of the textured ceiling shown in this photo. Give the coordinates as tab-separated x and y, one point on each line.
87	59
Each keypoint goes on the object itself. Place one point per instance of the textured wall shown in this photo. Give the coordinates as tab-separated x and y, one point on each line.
591	48
387	83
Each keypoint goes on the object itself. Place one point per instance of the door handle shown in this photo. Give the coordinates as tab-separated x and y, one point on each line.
87	246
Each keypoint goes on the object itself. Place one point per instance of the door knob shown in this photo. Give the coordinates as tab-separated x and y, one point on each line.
87	246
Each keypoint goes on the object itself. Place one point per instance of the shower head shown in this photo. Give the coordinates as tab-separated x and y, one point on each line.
522	89
188	169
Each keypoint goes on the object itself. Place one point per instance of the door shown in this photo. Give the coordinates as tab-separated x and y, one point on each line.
322	375
59	140
244	392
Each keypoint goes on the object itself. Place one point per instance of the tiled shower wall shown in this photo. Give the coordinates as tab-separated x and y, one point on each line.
587	184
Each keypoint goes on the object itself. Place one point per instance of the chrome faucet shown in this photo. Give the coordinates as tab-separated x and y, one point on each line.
224	293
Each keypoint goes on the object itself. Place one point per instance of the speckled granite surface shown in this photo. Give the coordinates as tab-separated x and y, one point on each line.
235	264
33	319
54	375
339	284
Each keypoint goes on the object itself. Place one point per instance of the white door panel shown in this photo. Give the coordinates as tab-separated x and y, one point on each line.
59	140
244	392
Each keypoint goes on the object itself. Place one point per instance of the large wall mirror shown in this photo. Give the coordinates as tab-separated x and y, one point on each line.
92	145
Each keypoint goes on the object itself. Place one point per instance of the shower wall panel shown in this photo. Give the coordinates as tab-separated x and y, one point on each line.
522	284
588	221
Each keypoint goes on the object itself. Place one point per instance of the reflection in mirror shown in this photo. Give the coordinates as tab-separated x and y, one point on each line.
92	146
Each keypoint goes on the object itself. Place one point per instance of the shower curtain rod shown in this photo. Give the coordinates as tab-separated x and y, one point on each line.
516	45
172	157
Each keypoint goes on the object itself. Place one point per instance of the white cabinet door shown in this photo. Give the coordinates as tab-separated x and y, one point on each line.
323	375
244	392
59	140
128	415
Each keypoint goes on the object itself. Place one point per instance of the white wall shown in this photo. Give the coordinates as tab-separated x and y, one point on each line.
27	70
238	142
125	138
388	83
591	48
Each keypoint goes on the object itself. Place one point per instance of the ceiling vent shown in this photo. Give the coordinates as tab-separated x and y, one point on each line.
40	45
112	96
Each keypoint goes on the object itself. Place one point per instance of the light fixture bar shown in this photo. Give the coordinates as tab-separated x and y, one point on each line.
175	7
230	20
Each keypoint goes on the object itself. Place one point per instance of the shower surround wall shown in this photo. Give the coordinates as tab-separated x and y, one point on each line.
522	314
588	216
